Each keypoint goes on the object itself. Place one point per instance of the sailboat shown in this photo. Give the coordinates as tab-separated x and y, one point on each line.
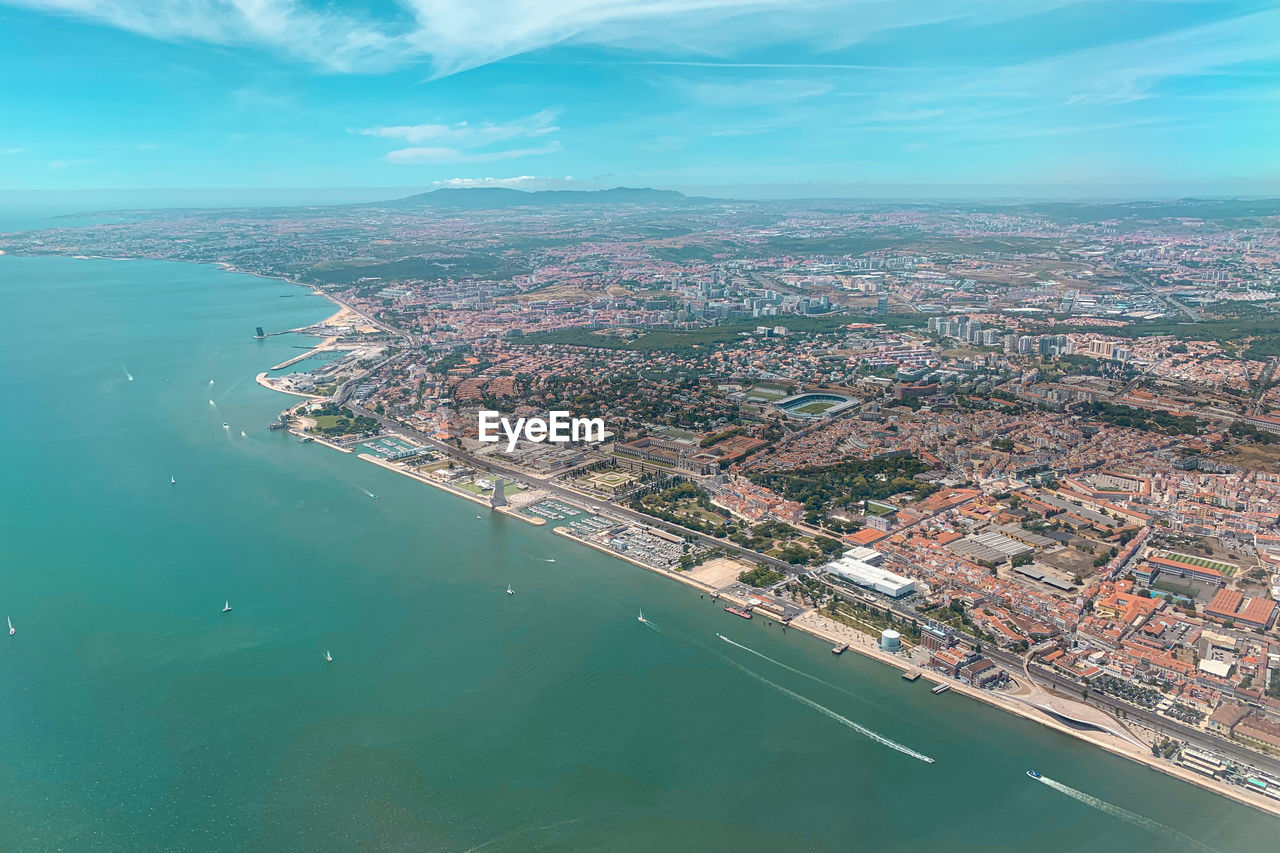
510	591
226	608
12	630
328	657
173	481
641	618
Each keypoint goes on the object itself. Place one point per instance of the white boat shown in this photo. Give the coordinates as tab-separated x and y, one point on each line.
173	481
226	608
328	657
12	630
641	616
510	591
226	425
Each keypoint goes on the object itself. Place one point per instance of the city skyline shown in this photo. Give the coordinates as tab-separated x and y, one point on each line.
1057	99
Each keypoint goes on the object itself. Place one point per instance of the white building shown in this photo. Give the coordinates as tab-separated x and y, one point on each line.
863	573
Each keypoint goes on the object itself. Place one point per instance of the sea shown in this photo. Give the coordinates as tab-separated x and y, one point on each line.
136	715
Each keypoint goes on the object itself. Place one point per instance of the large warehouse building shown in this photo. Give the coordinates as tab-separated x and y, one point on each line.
863	573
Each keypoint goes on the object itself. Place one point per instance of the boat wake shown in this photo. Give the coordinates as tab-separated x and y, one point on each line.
520	832
800	672
127	374
825	711
1127	816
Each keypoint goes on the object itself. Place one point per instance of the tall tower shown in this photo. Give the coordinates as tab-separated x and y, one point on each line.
499	493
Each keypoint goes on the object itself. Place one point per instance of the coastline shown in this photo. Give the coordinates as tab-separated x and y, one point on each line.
1112	744
505	510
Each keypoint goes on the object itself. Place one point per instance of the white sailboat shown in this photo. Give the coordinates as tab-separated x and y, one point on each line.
226	607
510	591
12	630
328	657
641	618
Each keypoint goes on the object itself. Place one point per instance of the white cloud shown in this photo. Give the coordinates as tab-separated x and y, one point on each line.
520	182
1126	72
455	35
464	142
443	155
465	134
13	150
59	165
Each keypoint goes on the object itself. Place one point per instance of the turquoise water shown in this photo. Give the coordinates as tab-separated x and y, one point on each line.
136	716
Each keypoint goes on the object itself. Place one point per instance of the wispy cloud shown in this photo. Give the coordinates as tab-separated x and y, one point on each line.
59	165
13	150
466	134
442	155
518	182
752	92
456	35
464	142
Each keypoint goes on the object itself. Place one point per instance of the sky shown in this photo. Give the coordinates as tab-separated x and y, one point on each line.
762	98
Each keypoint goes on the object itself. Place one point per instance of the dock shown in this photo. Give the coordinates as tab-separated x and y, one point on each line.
837	650
941	688
911	676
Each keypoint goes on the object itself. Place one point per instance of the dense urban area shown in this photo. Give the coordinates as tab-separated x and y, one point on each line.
1030	448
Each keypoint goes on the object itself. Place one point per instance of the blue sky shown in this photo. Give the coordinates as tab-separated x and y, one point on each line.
753	98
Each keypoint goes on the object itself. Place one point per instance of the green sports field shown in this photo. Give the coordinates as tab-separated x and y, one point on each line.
1226	568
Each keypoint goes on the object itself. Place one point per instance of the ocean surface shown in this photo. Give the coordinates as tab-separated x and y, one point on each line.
134	715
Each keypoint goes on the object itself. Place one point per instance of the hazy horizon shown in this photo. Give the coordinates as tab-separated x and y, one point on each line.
750	99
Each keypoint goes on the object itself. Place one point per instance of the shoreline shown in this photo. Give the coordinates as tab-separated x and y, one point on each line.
812	624
863	644
1017	706
505	510
1114	745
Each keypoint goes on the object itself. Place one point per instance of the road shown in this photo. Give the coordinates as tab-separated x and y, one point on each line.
1167	301
1011	662
1147	717
613	510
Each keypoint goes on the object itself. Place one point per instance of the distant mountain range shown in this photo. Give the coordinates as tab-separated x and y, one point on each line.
488	198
